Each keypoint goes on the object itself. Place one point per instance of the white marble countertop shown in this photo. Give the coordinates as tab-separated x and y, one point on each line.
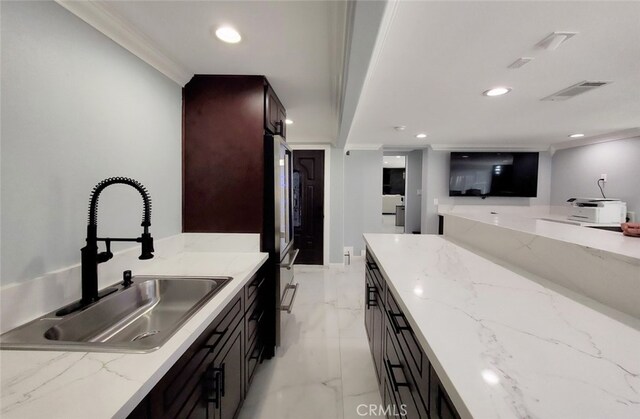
608	241
36	384
504	345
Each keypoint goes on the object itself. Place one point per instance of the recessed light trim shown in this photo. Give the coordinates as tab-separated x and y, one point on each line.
228	34
576	135
421	135
497	91
288	121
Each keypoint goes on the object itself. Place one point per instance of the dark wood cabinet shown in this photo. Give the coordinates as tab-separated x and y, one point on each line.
211	379
408	384
225	119
227	370
275	114
374	320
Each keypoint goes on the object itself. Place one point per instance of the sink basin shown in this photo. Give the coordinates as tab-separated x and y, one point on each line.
137	319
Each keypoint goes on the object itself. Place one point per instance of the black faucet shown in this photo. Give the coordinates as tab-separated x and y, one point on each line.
90	256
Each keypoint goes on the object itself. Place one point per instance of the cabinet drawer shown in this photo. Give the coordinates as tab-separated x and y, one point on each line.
408	394
406	338
254	356
254	317
224	324
253	289
373	270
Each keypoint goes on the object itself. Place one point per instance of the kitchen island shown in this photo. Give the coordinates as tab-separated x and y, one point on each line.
500	343
59	384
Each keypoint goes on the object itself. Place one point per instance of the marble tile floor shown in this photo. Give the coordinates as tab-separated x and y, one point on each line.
323	370
389	225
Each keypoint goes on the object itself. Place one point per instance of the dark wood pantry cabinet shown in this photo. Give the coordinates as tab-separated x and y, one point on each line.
228	186
225	120
212	378
409	386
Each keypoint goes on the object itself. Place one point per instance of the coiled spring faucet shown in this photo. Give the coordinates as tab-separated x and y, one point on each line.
90	256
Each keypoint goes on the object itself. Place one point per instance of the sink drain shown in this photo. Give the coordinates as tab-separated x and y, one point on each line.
145	335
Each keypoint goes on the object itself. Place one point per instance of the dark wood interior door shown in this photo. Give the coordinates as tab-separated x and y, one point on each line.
308	205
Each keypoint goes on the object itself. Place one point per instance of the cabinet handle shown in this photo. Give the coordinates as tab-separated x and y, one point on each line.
257	284
371	302
216	333
214	383
256	317
394	322
390	367
257	355
292	259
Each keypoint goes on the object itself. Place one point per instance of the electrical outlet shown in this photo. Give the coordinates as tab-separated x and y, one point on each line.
603	177
435	201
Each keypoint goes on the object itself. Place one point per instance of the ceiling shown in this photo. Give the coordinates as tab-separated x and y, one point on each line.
433	60
348	72
297	45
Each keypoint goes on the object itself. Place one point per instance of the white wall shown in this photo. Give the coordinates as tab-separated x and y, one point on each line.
336	247
413	201
575	172
77	108
362	197
435	185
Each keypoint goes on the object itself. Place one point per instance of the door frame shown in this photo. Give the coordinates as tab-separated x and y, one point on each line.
326	222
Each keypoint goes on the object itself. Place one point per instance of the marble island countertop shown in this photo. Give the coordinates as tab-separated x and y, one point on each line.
504	345
552	227
37	384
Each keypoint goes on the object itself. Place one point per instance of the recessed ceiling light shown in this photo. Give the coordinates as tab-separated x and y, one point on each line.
288	121
576	136
497	91
421	135
397	157
228	34
399	128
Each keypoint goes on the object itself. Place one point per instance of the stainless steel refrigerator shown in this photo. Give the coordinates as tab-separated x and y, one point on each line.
278	234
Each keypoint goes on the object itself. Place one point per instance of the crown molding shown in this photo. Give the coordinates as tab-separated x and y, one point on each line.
489	147
362	147
98	15
612	136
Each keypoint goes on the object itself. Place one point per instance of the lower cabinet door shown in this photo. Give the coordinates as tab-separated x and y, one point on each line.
228	369
401	382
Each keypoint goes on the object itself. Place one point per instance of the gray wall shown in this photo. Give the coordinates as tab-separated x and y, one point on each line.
362	197
435	185
576	170
77	108
336	247
413	201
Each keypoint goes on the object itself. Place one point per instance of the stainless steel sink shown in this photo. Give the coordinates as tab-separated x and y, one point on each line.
137	319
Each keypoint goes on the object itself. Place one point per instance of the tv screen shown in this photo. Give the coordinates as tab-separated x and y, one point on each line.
493	174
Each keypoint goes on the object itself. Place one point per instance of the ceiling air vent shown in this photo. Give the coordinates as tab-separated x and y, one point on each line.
576	89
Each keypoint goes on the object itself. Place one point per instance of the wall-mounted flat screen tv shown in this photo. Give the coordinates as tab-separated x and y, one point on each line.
493	174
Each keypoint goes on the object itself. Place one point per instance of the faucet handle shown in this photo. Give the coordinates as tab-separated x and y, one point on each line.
126	278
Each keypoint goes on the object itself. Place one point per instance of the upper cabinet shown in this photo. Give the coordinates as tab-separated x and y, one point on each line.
226	119
275	113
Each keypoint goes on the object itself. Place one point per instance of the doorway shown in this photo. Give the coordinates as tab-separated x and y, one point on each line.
308	205
393	193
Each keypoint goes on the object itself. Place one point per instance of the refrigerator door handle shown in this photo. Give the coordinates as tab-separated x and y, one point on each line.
292	259
289	306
